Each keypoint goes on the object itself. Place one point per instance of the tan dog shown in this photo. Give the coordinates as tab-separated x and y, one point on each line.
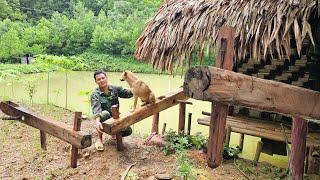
139	89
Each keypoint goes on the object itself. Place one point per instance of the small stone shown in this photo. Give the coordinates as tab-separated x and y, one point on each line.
164	176
86	155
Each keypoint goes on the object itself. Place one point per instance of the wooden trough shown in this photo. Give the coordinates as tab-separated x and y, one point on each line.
72	135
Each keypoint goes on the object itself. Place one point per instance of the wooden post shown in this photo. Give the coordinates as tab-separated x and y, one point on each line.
189	123
313	165
115	115
74	150
220	112
43	139
182	117
228	135
298	148
164	128
258	152
155	123
241	141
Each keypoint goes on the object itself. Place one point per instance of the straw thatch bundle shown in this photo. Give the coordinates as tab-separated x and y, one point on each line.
262	27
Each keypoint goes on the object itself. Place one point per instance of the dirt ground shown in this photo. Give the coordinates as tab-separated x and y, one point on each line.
22	158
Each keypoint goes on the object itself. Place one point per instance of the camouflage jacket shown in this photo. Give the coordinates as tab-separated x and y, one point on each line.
101	101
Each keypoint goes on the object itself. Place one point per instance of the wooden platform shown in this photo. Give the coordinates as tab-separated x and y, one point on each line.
260	128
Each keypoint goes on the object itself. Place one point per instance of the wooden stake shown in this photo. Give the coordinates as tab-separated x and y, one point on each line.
164	128
189	123
298	148
182	117
43	139
241	141
155	123
228	135
220	112
115	115
313	165
258	152
76	127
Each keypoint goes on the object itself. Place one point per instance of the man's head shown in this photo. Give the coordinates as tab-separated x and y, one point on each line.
101	79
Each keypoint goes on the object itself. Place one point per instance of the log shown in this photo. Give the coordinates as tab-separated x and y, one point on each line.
74	150
214	84
57	129
112	126
298	148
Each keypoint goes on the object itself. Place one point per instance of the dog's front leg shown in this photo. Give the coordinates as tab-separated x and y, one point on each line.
135	100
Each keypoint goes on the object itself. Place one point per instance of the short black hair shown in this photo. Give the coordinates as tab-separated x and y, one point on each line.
99	72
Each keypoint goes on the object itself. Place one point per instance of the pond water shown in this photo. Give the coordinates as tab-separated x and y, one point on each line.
80	82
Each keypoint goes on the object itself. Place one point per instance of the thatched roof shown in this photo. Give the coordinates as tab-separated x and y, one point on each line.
262	27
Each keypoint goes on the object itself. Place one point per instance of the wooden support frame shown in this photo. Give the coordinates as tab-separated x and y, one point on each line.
220	111
58	129
115	115
112	126
155	123
298	148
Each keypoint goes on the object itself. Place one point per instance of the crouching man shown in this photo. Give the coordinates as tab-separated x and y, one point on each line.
102	99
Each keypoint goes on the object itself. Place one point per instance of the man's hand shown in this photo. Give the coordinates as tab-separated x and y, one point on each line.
99	125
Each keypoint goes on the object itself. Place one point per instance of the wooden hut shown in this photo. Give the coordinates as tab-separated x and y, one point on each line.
274	39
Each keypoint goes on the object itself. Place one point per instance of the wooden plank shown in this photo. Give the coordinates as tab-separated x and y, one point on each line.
74	150
57	129
220	111
298	148
112	126
253	128
214	84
